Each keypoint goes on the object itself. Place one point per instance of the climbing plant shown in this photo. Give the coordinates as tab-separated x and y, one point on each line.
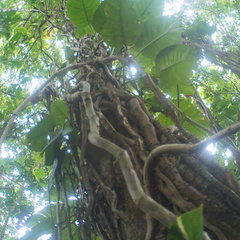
107	108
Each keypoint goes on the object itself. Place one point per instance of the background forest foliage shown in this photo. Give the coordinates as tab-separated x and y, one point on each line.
191	50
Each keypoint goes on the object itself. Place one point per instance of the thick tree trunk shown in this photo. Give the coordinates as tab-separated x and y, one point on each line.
178	182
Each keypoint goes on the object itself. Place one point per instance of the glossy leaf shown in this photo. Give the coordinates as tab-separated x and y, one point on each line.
188	226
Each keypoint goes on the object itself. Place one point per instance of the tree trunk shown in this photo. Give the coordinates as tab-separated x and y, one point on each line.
179	182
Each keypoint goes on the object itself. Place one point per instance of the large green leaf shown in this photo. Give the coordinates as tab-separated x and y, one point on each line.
99	18
51	149
81	12
122	26
43	227
159	33
174	66
36	139
148	8
188	226
59	112
40	223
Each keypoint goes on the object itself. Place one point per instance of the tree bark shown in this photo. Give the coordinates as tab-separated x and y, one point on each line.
177	182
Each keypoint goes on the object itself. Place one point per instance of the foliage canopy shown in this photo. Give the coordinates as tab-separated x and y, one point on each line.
191	54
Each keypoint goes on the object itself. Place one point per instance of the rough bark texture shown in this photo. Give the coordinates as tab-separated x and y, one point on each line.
178	182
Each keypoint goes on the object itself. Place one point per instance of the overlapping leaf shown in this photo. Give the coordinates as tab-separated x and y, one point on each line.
174	67
44	137
159	33
37	138
148	8
81	12
59	112
122	26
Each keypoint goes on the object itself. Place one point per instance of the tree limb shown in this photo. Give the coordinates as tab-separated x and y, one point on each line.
33	95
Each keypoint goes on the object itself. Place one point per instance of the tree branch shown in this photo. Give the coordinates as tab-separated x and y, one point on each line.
152	160
33	95
184	148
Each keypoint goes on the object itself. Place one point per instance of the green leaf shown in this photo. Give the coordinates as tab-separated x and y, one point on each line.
39	173
16	64
80	32
51	149
199	28
174	66
40	216
148	8
24	210
122	26
192	111
52	174
59	112
81	12
22	29
164	119
153	103
99	18
67	131
36	139
69	54
159	33
43	227
16	36
40	223
188	226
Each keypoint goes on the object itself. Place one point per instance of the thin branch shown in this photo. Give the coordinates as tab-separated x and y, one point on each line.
58	209
153	158
68	217
33	95
218	136
184	148
20	10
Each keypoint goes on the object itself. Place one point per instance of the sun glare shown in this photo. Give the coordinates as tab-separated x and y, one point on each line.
133	70
211	148
172	7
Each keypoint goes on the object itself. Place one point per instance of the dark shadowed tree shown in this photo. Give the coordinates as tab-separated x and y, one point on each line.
126	99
